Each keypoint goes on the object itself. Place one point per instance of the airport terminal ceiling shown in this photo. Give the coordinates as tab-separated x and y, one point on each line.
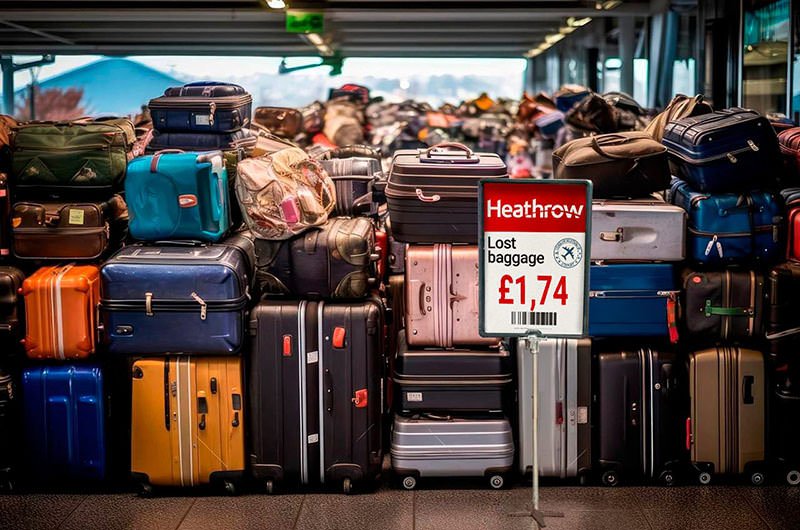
352	28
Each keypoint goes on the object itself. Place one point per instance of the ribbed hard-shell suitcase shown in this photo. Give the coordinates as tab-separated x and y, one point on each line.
638	230
433	194
203	106
565	407
9	422
12	311
724	305
177	298
725	151
61	311
423	447
782	325
64	410
315	391
725	431
639	408
442	296
187	422
633	300
730	228
178	196
451	380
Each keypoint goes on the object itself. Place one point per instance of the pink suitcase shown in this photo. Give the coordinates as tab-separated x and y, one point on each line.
442	296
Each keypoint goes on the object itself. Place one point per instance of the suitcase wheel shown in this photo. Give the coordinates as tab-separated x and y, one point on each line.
145	490
347	486
704	478
757	478
409	482
270	486
497	481
610	478
667	477
793	477
230	488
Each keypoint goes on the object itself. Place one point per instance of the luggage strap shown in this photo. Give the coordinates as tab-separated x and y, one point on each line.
728	311
782	334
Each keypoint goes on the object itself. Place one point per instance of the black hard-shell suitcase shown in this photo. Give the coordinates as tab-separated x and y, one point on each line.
354	179
12	326
639	402
8	426
437	379
784	435
783	317
433	194
315	393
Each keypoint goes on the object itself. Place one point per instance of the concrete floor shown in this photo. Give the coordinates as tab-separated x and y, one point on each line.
592	508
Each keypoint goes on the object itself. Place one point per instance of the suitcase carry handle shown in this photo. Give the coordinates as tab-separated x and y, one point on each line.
328	391
427	198
727	311
599	150
157	157
470	157
422	299
617	236
180	243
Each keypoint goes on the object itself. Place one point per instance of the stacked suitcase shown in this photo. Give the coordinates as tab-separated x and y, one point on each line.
451	386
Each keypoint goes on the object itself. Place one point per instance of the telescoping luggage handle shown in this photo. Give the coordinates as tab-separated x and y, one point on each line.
157	157
437	154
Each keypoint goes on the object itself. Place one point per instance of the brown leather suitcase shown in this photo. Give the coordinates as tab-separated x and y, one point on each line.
60	231
442	296
725	432
280	121
61	311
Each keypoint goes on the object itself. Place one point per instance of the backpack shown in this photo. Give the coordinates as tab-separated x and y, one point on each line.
284	193
680	107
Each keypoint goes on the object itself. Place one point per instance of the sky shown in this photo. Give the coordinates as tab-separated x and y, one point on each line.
221	67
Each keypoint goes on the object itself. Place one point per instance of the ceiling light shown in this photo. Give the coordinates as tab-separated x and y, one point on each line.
553	38
578	22
607	4
566	30
276	4
530	54
315	39
543	46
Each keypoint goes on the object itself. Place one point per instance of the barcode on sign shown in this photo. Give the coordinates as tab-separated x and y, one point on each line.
534	318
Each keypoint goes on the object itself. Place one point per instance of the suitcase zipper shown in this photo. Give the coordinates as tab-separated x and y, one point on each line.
176	305
730	155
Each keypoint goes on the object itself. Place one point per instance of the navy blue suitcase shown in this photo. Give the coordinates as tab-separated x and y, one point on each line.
728	228
197	141
724	151
171	298
64	414
633	300
204	106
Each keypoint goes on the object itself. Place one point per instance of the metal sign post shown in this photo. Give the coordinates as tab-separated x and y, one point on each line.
534	273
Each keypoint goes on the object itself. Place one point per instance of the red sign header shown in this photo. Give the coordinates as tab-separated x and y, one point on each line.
520	207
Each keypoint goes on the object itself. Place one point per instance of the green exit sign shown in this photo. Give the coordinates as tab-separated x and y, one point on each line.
304	22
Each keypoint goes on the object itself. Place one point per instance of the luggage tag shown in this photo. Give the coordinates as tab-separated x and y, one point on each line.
714	241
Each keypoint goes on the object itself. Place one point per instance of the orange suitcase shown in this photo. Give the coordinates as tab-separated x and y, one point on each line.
61	311
187	424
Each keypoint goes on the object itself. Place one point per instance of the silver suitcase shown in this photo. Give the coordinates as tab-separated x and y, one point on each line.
638	230
565	396
456	447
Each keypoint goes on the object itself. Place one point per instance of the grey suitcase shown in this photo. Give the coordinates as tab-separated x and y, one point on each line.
638	230
565	398
453	447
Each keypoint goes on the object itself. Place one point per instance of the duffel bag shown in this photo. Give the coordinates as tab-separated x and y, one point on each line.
730	228
284	193
724	305
626	164
570	95
680	107
591	115
61	231
204	106
71	156
336	260
313	117
176	195
725	151
280	121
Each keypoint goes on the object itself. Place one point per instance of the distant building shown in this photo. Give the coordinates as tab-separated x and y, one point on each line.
111	86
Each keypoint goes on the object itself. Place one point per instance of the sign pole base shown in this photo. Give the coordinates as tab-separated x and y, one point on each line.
538	515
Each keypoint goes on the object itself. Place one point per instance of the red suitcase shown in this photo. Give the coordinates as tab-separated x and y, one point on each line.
789	142
442	296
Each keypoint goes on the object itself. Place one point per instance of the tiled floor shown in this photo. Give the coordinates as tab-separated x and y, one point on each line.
591	508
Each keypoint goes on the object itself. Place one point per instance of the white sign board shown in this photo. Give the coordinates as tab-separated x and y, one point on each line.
534	257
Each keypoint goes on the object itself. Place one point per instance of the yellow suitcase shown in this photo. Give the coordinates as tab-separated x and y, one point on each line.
187	425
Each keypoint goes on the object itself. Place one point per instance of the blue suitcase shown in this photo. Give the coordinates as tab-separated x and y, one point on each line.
64	423
176	298
724	151
728	228
633	300
204	106
201	141
178	196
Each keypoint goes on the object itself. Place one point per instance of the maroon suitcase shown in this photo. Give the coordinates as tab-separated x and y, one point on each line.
442	296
